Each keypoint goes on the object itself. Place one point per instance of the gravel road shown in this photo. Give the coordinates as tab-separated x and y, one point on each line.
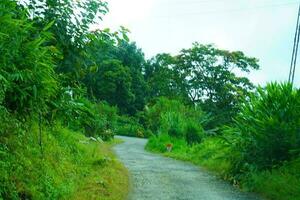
155	177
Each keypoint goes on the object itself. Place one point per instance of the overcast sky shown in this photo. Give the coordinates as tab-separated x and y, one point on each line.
260	28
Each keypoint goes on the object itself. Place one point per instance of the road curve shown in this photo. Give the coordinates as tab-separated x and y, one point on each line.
155	177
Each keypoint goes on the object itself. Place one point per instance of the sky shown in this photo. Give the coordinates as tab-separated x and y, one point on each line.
260	28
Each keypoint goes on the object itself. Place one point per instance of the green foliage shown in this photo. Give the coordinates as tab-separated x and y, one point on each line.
27	75
133	57
207	73
68	159
129	126
154	114
70	29
277	184
160	78
203	75
94	119
193	133
159	143
113	83
98	119
266	132
115	69
177	120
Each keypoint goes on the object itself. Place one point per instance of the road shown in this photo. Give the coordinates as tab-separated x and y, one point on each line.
155	177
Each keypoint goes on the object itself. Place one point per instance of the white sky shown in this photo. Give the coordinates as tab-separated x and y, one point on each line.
260	28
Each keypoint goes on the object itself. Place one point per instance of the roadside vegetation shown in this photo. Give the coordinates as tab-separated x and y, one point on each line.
71	166
55	136
258	151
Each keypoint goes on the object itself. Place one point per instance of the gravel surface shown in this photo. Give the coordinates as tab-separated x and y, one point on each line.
155	177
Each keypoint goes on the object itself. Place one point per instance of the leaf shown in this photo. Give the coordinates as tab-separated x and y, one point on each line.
34	89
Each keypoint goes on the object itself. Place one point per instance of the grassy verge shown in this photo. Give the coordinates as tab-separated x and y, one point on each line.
280	183
108	179
69	166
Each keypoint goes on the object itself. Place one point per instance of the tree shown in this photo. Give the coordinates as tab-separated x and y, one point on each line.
203	75
133	57
209	76
71	23
161	78
106	47
113	84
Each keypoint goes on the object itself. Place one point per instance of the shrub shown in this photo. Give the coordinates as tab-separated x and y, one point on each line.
128	126
80	114
170	116
130	130
162	106
98	119
194	133
266	132
172	123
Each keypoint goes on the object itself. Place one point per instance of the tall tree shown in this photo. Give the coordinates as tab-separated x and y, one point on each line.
133	57
203	75
107	47
161	78
113	84
209	76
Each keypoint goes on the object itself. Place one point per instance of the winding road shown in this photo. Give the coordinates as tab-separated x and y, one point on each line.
155	177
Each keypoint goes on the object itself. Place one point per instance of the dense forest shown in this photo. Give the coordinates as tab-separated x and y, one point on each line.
64	86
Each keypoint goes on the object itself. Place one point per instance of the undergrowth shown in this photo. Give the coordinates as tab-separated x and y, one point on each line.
67	165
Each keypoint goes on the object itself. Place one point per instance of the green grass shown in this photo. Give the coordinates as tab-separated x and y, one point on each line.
282	183
208	154
277	184
70	167
108	179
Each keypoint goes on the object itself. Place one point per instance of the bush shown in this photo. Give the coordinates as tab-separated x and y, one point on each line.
171	116
266	132
172	123
194	133
154	114
102	121
128	126
80	114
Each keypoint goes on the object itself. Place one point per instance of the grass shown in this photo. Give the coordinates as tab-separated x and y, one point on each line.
277	184
70	167
282	183
108	180
209	154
